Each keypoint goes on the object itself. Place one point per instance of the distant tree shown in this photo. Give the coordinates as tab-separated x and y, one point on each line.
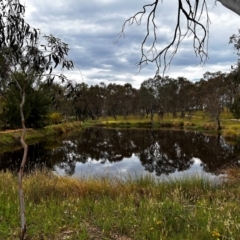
114	99
2	113
61	99
80	103
149	96
235	108
214	95
186	97
200	94
96	103
128	99
144	99
168	98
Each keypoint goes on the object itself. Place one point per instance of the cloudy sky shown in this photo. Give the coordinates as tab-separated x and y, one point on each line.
91	29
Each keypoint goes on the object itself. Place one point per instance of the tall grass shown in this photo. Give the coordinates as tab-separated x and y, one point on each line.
118	208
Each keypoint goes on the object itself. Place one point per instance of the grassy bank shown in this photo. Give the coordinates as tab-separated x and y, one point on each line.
134	208
10	138
199	122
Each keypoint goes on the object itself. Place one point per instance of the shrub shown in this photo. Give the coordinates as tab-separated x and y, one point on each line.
55	118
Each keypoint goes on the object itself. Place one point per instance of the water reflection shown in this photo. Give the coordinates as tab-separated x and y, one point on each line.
98	151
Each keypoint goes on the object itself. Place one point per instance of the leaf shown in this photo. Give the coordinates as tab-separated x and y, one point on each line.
27	29
36	34
56	60
51	80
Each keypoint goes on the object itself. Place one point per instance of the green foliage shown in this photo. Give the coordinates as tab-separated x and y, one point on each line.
36	107
55	118
6	139
2	107
10	138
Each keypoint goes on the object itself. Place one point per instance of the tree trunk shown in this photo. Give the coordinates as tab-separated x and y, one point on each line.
182	114
218	123
151	116
21	170
174	113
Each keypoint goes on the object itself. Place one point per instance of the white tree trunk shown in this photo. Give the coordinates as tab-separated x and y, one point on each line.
20	174
233	5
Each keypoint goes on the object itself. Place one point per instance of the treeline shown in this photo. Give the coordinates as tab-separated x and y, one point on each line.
212	94
178	97
47	101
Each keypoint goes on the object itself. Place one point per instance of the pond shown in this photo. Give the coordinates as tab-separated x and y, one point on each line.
101	151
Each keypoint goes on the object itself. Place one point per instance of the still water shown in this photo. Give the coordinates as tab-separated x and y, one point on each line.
100	151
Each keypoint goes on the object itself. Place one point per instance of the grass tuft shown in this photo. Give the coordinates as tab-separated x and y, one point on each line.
121	207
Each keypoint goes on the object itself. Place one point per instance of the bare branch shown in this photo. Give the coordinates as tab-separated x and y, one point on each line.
191	13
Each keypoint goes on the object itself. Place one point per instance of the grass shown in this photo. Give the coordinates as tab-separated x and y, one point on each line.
199	122
123	208
10	138
131	208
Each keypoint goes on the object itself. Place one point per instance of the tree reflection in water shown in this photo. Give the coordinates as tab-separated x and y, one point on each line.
159	152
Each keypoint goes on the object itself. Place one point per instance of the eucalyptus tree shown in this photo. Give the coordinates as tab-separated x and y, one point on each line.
200	97
24	50
61	100
168	98
114	99
191	103
149	96
129	95
235	107
215	91
2	106
96	101
186	97
80	102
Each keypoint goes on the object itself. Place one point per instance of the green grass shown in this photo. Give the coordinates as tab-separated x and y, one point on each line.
130	208
11	138
199	122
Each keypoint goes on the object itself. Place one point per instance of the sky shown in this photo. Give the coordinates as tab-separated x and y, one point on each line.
91	28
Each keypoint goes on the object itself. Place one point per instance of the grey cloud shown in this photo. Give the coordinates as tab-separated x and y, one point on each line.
110	78
91	28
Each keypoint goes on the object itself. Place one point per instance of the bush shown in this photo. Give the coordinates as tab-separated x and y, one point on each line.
55	118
